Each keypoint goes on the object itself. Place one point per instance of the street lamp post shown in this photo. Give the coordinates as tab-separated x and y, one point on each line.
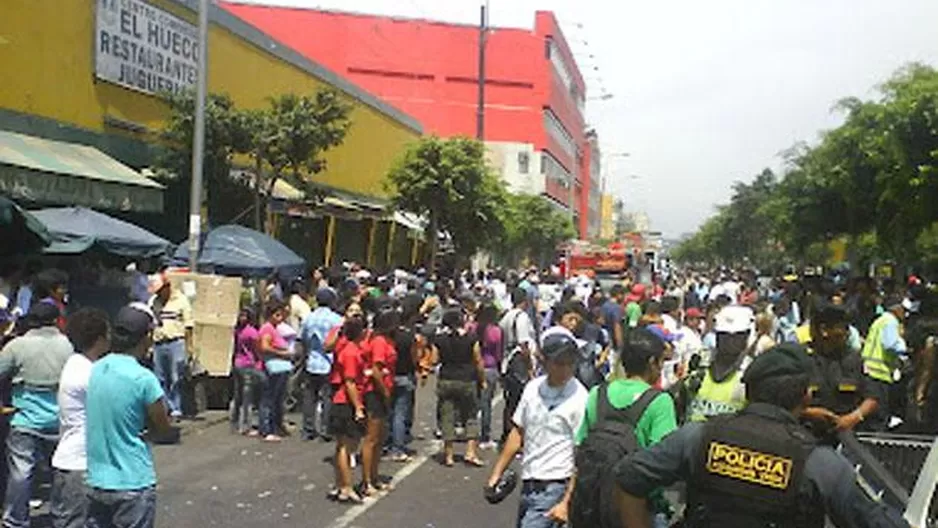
198	140
483	38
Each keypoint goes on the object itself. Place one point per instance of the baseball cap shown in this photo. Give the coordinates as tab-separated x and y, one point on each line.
693	313
133	322
734	320
156	282
661	333
787	359
44	312
558	345
325	297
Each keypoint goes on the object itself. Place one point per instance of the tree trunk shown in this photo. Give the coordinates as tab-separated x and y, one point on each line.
258	213
433	239
268	226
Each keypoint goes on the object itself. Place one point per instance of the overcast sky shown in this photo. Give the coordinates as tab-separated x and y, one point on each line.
707	93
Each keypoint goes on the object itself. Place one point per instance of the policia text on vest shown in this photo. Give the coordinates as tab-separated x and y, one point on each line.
752	466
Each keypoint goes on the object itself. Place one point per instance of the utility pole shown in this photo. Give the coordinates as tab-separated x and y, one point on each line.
483	38
198	140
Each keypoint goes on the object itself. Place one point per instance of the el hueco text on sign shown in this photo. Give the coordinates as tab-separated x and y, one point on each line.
158	65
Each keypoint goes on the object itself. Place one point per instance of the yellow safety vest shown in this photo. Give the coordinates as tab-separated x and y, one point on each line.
877	362
803	334
714	398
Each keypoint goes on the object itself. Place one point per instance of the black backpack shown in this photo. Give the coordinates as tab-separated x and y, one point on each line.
586	370
610	439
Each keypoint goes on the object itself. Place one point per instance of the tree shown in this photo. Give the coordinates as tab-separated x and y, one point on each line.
226	135
294	134
872	180
533	228
300	129
449	182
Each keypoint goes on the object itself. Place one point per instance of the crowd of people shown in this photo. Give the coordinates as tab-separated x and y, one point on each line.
596	385
570	358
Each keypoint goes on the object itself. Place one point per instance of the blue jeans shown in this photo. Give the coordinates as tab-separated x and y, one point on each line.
169	365
536	500
121	509
317	401
69	499
401	406
245	405
485	402
272	403
25	449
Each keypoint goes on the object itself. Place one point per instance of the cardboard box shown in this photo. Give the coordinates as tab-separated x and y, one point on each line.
215	306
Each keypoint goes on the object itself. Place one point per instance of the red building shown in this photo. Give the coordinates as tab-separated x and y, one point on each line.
534	96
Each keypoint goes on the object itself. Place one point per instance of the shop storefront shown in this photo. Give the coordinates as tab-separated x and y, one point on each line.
80	114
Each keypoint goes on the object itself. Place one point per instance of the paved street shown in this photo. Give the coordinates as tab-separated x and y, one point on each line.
218	479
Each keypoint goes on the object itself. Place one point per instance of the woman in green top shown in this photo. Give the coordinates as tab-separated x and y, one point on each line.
643	355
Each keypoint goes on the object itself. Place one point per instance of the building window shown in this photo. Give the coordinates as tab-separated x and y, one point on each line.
554	171
557	131
524	162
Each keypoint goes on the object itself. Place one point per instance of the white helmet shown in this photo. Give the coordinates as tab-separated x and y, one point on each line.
735	320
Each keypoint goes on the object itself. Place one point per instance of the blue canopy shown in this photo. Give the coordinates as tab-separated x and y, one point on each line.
237	250
75	230
20	231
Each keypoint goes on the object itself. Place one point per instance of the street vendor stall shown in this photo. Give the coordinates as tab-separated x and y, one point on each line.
20	231
75	230
238	251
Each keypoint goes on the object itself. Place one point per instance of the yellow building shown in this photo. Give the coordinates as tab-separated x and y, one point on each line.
84	72
607	226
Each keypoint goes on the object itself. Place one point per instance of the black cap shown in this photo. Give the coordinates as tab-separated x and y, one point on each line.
44	313
325	297
558	345
787	359
133	322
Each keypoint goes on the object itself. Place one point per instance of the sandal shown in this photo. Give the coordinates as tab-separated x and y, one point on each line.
368	491
473	462
385	487
349	498
448	463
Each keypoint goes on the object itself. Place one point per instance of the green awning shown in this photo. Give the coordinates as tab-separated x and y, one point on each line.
43	171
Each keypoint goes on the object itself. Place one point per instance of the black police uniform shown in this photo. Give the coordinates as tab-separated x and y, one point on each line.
839	385
757	468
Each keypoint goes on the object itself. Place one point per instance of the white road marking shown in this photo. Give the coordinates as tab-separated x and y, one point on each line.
425	454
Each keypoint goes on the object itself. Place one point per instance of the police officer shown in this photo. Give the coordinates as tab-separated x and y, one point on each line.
842	395
719	389
756	468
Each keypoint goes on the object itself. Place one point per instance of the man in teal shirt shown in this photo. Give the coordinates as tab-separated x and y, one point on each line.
124	398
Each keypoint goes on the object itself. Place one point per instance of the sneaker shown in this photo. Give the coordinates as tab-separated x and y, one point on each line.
488	446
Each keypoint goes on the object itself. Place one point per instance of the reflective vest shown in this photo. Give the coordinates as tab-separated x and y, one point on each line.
878	363
713	399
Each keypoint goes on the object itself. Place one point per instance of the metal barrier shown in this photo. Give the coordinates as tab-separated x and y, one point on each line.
897	469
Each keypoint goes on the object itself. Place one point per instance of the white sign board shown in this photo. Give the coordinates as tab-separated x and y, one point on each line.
145	48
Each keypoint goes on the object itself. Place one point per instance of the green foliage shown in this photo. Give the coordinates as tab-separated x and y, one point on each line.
533	228
449	182
292	134
226	134
297	130
873	180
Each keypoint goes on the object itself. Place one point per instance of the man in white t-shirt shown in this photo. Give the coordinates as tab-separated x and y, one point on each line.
545	423
518	361
88	330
